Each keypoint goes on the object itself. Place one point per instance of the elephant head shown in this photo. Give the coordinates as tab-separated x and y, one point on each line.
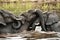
50	18
10	21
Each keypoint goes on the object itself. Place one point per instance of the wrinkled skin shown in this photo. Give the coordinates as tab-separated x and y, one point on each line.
52	21
56	27
8	22
50	18
41	20
29	18
49	21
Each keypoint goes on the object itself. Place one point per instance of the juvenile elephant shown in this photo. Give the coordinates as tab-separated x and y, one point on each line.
27	19
9	23
30	17
39	21
50	21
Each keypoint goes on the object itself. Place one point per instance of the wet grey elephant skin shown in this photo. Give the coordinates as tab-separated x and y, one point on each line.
48	20
52	22
12	24
9	22
29	18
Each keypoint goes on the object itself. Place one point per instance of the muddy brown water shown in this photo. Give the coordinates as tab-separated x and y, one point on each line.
17	38
33	36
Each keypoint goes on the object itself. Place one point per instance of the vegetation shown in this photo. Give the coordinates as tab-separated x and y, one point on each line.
16	8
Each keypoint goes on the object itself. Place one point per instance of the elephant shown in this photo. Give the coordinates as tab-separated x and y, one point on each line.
9	23
13	24
51	20
39	21
29	18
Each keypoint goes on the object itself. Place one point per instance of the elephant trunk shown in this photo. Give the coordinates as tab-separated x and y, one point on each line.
41	19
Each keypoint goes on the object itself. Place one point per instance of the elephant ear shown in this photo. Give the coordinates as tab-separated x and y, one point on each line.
52	18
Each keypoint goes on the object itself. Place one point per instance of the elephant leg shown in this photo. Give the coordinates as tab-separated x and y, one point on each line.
36	23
